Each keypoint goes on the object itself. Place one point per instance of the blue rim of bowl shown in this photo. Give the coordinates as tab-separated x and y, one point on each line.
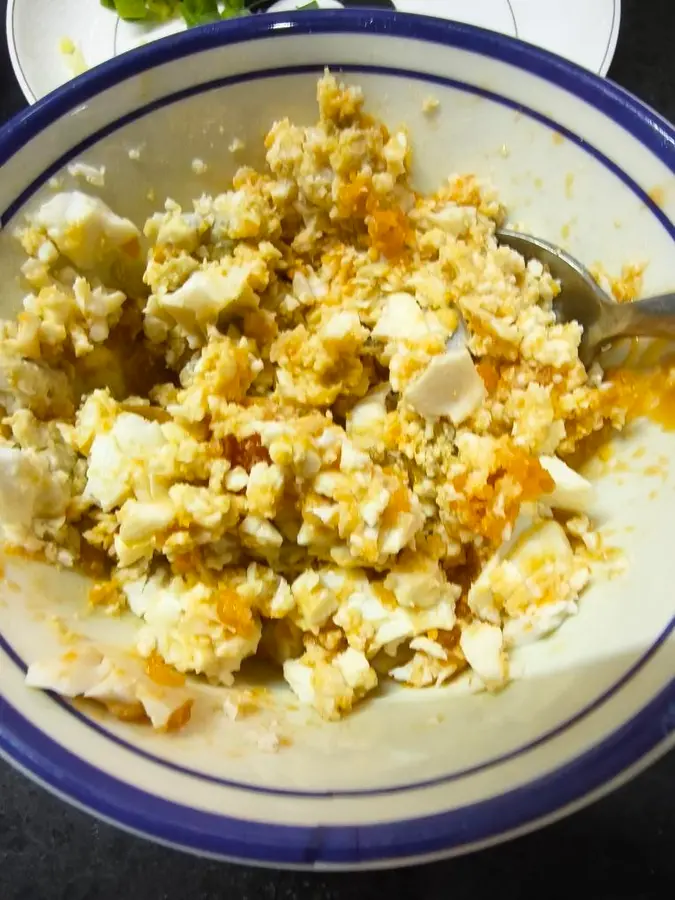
350	845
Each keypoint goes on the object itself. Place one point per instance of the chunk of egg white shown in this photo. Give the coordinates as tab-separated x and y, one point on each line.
418	588
160	704
572	491
71	675
538	622
482	645
112	455
78	224
20	487
114	684
369	412
354	668
453	219
282	601
449	386
87	673
94	175
154	596
300	679
351	459
206	293
401	318
139	521
459	338
480	597
544	542
532	554
343	325
431	648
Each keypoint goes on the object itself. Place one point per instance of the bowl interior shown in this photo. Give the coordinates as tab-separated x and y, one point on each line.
566	172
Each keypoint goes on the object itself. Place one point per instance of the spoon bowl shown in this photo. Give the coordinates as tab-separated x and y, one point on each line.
582	300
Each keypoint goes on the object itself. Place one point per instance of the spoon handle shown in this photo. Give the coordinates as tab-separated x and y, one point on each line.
654	317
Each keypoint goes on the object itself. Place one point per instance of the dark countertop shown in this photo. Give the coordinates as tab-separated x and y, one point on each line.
621	847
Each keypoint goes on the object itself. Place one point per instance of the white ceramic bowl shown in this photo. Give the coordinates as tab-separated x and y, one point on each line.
414	775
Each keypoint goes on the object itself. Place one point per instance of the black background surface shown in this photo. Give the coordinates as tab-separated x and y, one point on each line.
621	847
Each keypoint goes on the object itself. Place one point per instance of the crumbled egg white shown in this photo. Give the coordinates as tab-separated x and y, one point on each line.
482	645
430	104
84	229
330	423
572	491
449	386
94	175
120	682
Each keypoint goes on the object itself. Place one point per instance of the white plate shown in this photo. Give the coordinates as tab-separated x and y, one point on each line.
583	32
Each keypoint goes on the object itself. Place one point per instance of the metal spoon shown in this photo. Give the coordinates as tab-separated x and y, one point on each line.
583	300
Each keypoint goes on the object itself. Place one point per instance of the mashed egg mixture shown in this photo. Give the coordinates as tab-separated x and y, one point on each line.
319	417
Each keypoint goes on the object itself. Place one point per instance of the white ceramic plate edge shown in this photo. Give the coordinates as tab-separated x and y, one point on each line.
32	98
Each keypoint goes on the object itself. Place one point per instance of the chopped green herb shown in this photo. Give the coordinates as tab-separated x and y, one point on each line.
128	9
199	12
162	9
233	8
136	10
195	12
